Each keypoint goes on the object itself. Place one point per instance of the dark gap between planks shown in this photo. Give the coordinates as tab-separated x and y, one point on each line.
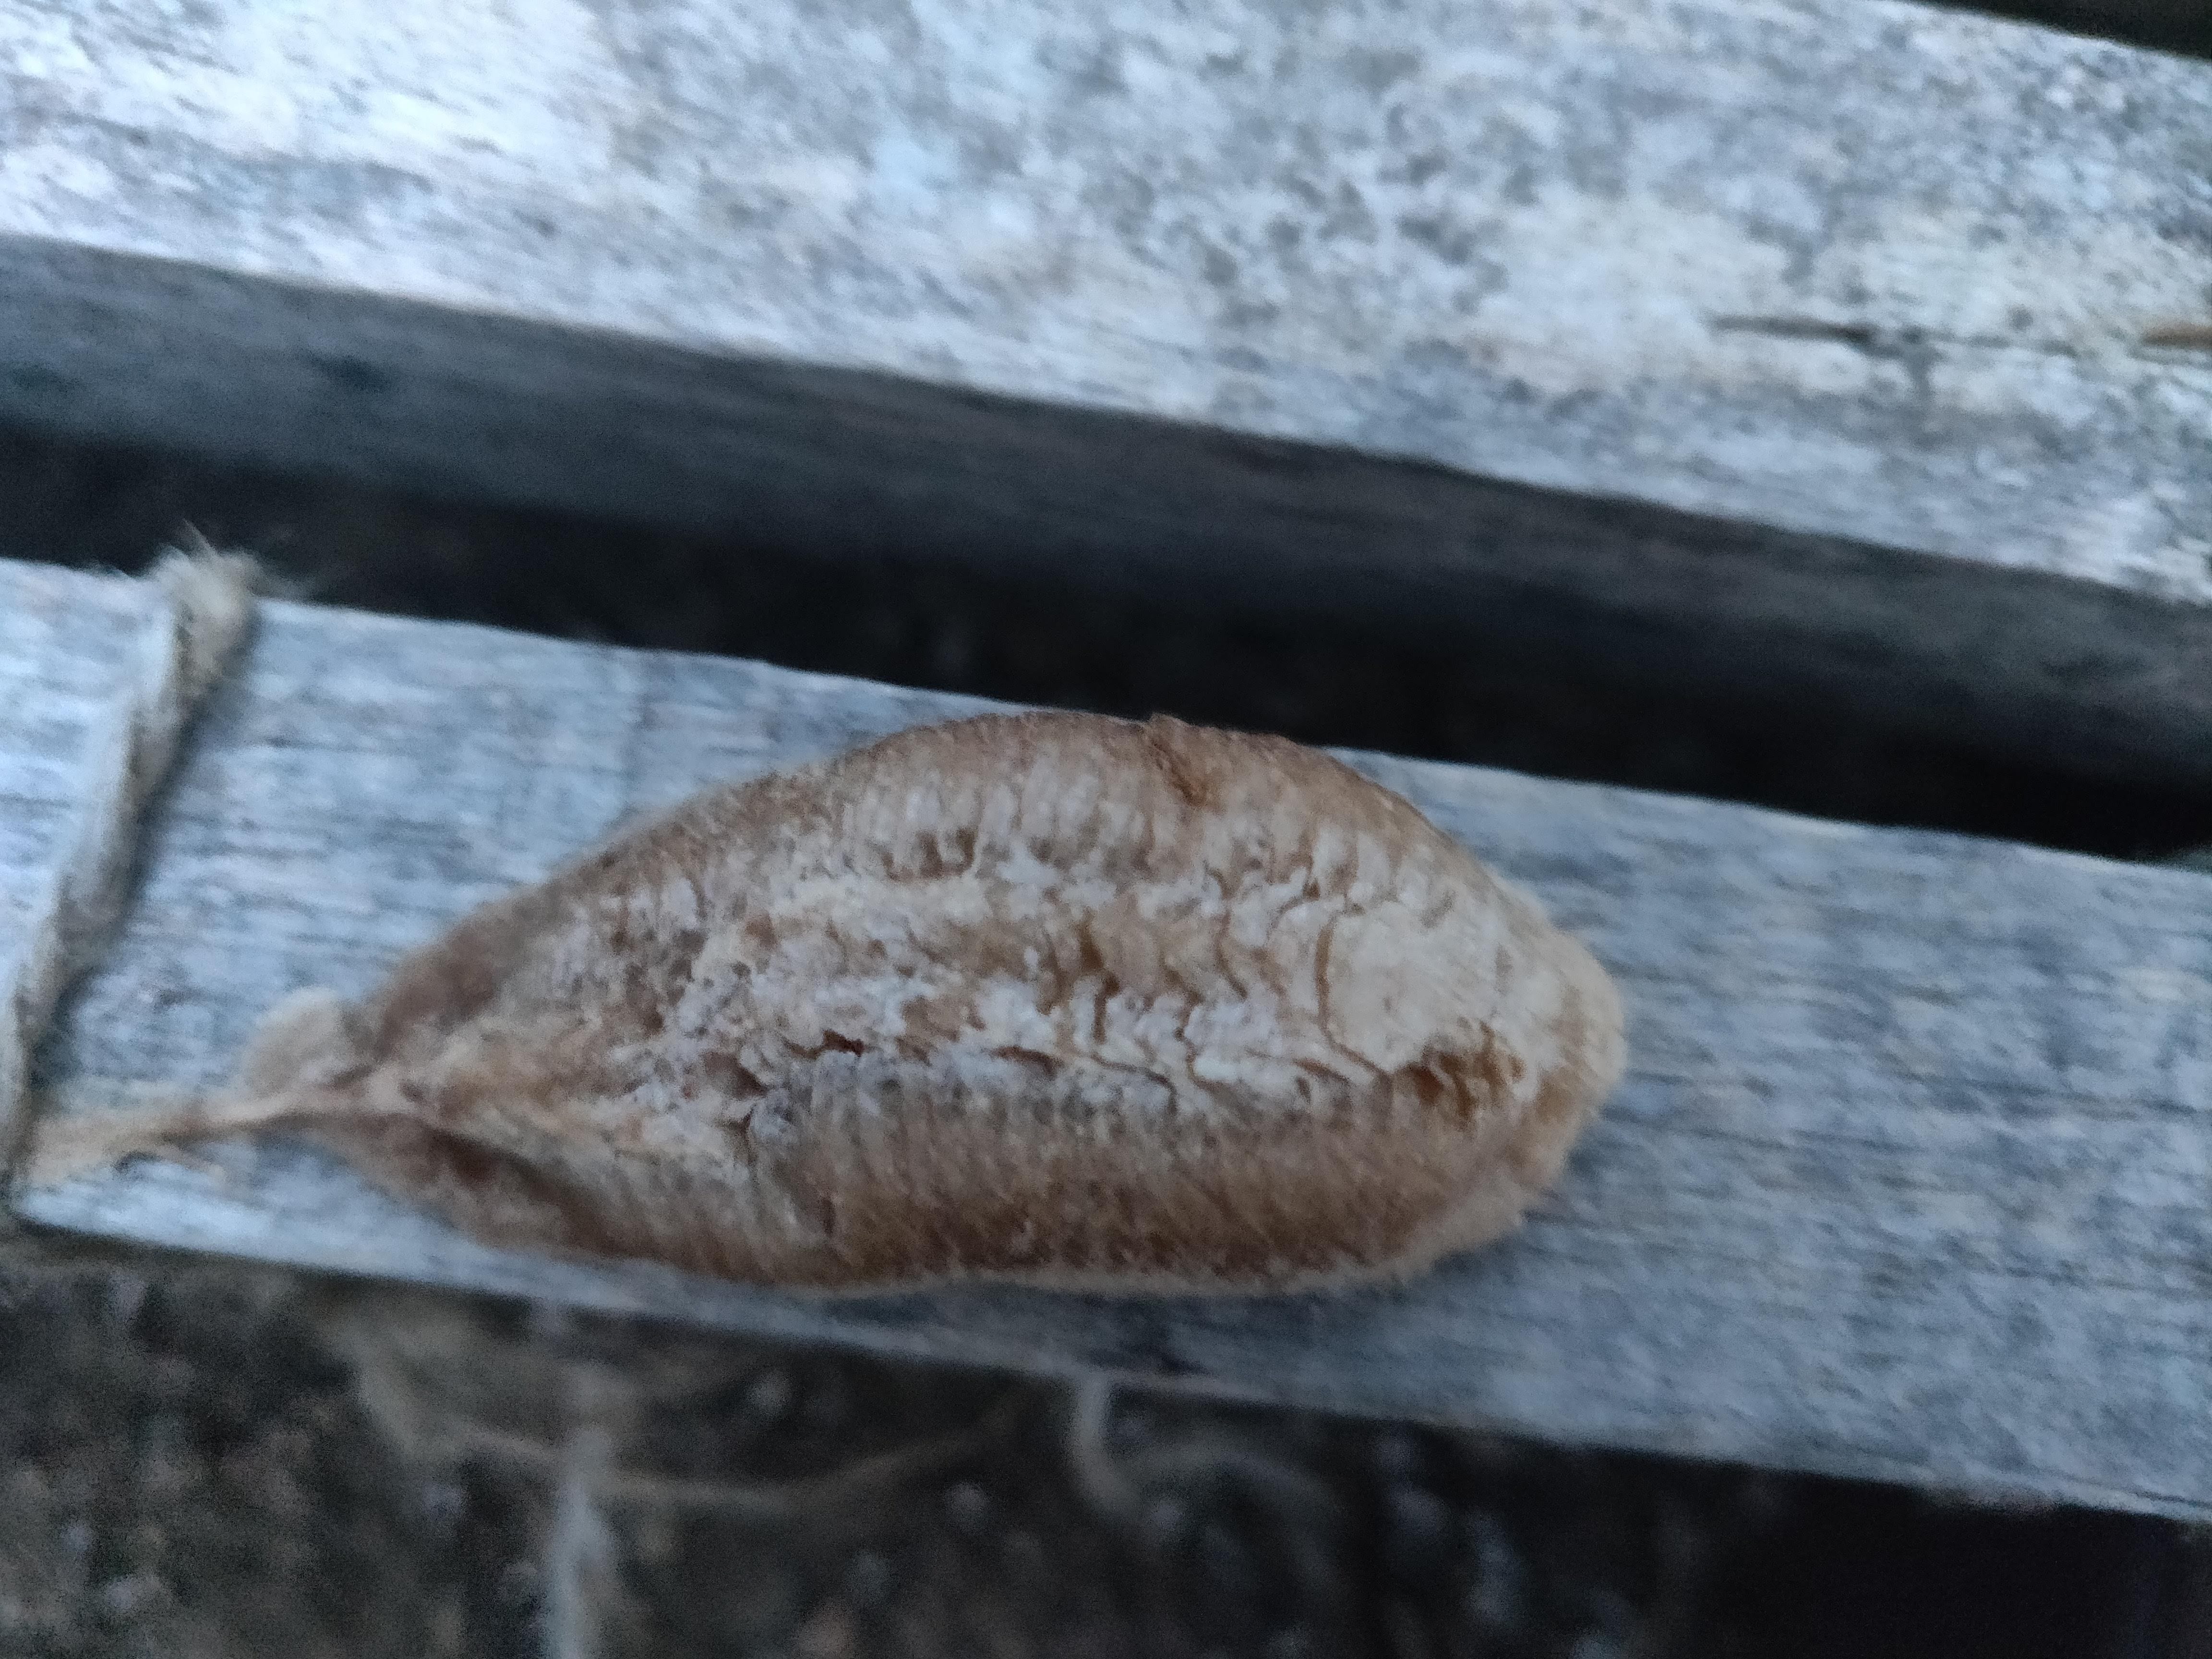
1320	679
2176	25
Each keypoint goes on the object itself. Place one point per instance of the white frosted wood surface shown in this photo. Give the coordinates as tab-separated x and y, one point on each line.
1919	281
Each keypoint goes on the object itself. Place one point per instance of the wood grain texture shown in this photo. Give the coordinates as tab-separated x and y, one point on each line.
1489	308
64	645
65	651
1908	1177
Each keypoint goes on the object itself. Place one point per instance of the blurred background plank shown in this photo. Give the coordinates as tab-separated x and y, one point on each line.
1857	351
1907	1180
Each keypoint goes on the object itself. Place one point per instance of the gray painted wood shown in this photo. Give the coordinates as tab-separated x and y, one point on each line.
1909	1178
1832	346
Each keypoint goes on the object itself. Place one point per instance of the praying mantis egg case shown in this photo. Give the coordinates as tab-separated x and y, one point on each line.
1047	998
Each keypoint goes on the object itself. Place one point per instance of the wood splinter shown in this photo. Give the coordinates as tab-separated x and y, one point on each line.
1052	999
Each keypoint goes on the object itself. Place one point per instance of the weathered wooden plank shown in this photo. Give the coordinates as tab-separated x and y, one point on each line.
1909	1178
63	646
1512	314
